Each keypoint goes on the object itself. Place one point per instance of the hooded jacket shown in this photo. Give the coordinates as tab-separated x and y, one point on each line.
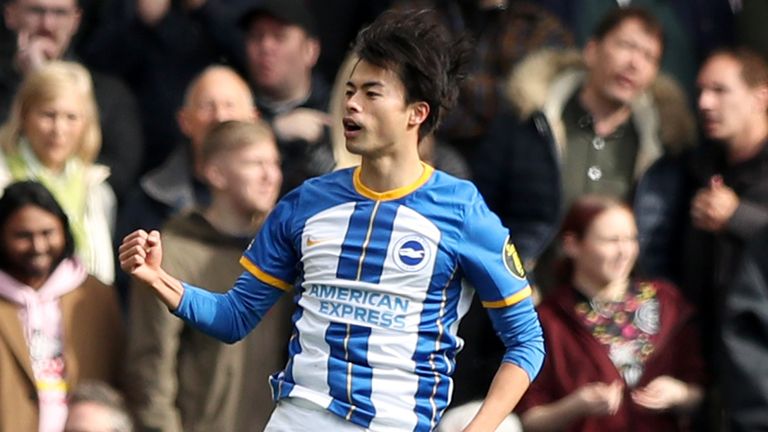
520	164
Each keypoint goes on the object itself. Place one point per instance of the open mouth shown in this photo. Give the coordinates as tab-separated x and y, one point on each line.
351	125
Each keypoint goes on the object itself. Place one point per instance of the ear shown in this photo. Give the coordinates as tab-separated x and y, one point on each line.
181	119
570	245
78	18
761	98
418	113
11	14
212	174
311	51
589	53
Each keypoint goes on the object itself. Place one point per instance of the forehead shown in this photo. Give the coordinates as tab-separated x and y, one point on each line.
67	4
365	73
635	29
31	217
220	84
612	220
723	68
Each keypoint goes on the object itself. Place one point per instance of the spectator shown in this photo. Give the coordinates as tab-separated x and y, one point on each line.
281	51
216	95
745	327
58	325
504	32
623	353
600	123
729	183
53	137
44	30
158	47
180	379
94	406
692	28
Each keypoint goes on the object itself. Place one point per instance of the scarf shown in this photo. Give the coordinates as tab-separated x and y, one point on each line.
68	187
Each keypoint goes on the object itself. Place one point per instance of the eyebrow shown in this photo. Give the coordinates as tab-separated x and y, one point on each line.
367	84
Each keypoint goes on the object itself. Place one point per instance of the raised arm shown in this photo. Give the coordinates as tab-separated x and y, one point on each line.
141	255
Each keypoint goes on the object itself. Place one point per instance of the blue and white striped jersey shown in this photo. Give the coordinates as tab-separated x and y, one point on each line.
381	281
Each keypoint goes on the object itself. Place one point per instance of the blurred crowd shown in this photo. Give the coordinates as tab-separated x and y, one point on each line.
622	143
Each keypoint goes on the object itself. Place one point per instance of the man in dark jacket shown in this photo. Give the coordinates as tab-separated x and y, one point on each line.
745	334
729	177
282	49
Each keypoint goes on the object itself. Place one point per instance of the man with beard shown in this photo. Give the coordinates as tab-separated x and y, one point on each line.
58	325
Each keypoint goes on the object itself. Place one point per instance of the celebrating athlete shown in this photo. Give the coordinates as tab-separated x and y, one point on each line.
383	260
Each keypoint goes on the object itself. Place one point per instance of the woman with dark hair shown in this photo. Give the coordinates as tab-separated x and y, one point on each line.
622	353
58	324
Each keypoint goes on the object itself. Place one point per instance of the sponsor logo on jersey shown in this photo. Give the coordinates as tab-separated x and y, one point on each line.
512	260
411	253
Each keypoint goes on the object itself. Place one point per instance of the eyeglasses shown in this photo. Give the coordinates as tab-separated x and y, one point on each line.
58	13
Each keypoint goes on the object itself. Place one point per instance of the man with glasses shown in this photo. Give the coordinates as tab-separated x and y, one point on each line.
44	31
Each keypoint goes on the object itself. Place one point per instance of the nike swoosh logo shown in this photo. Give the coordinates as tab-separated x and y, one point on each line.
313	242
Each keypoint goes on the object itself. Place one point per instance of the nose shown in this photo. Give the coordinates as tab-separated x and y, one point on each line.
705	100
351	104
39	244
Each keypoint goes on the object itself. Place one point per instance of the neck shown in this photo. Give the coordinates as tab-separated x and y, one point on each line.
386	173
607	115
749	142
611	291
227	220
33	281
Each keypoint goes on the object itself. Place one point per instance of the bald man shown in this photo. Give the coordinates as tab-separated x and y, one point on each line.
216	95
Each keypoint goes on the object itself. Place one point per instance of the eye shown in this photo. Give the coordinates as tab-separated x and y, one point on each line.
371	94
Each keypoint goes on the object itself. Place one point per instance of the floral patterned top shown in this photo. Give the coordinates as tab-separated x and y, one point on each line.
628	328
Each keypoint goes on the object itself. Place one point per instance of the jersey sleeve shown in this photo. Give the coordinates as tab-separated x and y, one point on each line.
272	256
491	265
489	260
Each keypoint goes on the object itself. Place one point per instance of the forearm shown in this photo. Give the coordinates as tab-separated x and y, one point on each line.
748	219
506	389
231	316
168	289
555	416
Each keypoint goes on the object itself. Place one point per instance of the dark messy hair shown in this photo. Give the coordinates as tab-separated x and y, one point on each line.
30	193
616	17
426	57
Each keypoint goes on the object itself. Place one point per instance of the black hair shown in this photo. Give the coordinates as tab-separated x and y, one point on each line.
25	193
426	57
616	17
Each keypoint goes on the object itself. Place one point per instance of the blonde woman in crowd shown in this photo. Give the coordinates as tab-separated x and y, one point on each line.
52	136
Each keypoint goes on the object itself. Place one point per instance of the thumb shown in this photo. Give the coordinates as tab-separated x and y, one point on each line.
716	181
154	248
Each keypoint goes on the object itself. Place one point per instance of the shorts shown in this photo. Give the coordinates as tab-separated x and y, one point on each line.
299	415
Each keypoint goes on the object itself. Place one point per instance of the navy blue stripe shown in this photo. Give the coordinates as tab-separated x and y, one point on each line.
376	252
352	247
351	397
432	365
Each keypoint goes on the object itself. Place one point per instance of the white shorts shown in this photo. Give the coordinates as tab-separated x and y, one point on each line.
299	415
